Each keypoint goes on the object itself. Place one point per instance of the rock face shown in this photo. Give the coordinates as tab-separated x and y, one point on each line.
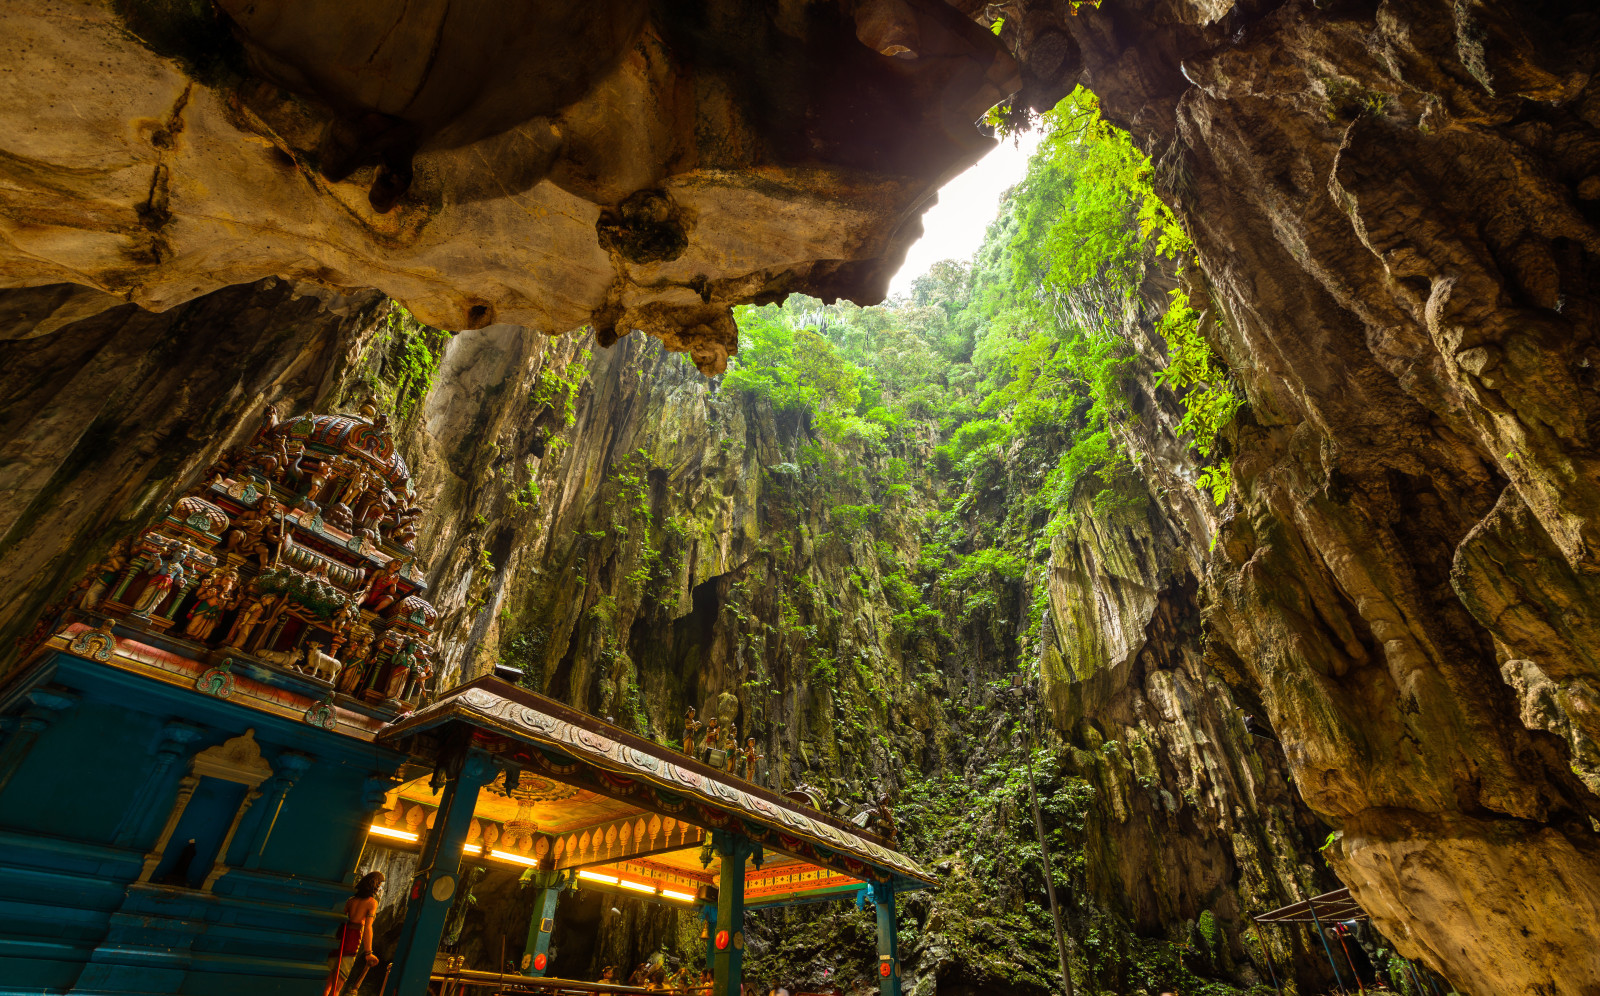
1395	207
628	165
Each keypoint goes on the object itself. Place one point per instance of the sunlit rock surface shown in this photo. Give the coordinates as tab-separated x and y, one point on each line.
626	165
1395	208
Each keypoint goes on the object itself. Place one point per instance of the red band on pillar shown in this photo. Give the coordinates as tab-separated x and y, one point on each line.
539	961
883	969
722	940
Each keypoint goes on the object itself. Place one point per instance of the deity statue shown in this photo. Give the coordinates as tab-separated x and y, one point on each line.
259	606
104	574
385	585
421	670
168	575
751	760
394	682
218	593
730	748
255	532
711	739
691	727
883	820
404	532
350	678
269	421
344	624
318	477
360	642
275	458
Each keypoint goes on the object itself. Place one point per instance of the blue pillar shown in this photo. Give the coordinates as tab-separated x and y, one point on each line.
709	912
727	937
888	940
536	952
434	886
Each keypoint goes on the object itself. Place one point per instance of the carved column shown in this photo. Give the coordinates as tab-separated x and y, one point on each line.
152	858
373	795
177	740
291	765
219	866
45	707
435	884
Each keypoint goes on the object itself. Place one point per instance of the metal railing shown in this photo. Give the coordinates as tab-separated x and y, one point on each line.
465	978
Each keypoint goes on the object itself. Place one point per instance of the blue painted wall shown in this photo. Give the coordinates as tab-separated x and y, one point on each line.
73	918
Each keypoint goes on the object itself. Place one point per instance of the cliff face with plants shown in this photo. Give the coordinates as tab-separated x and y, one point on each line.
1394	205
1379	362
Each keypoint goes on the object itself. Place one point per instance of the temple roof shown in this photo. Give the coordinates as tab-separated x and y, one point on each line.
643	776
354	435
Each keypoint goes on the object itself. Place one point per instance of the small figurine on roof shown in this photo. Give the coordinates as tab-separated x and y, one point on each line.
730	748
691	727
712	739
751	759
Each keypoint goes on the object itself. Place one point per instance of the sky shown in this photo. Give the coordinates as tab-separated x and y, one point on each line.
954	227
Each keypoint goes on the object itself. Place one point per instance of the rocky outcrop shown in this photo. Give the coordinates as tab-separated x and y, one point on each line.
1394	206
650	166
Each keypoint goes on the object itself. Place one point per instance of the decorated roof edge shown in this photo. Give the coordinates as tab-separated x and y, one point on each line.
489	701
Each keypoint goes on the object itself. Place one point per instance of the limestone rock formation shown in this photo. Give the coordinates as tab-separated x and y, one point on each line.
628	165
1394	206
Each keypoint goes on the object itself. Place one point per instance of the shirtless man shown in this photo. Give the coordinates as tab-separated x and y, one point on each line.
355	937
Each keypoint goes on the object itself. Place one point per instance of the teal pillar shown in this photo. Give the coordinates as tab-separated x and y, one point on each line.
888	969
709	913
434	886
536	952
727	937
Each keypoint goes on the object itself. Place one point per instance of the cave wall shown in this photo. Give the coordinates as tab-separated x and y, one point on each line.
1394	208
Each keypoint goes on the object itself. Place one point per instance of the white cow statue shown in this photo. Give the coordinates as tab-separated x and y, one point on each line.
282	658
320	665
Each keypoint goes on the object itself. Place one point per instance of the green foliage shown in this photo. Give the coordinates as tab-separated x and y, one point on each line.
411	358
557	389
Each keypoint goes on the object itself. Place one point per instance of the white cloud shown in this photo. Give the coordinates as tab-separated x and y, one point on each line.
954	227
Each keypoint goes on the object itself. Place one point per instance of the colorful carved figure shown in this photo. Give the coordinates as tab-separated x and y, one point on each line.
168	574
254	533
711	740
405	527
218	593
421	669
730	748
751	760
258	605
394	682
350	678
691	727
282	658
269	422
385	588
104	574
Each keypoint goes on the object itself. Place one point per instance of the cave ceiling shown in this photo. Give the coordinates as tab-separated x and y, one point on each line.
620	164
